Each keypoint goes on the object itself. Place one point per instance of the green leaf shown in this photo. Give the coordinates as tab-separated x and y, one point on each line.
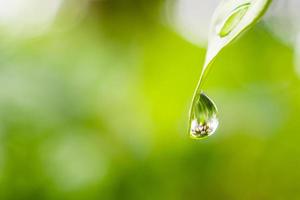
231	18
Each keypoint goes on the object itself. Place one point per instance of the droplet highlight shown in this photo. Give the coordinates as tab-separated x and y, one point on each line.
203	117
232	20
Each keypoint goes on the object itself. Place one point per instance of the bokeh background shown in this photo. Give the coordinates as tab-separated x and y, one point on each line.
94	99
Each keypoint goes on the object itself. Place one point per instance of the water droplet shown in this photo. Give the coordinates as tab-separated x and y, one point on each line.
232	20
203	117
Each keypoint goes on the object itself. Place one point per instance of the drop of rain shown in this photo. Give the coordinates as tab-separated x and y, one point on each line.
232	20
203	117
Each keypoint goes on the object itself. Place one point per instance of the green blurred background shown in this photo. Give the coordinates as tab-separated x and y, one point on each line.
96	107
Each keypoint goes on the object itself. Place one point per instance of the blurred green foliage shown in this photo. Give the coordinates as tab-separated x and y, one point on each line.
100	112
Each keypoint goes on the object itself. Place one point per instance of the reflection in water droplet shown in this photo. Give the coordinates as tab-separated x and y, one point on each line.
232	20
203	117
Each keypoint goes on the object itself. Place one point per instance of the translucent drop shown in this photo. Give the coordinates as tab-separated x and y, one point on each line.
232	20
203	117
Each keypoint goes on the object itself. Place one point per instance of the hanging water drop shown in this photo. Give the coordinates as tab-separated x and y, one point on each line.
232	20
203	117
